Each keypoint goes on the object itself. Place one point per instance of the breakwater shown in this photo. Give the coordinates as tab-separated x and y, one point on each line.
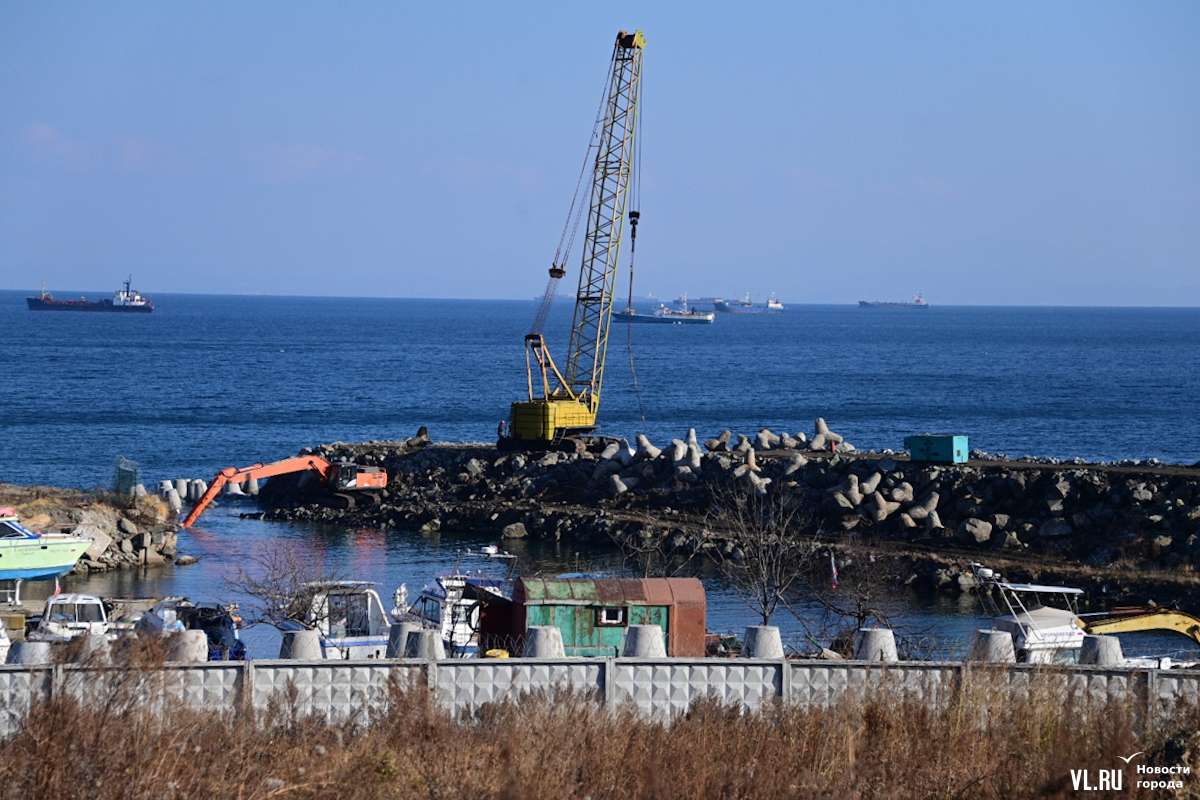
1142	516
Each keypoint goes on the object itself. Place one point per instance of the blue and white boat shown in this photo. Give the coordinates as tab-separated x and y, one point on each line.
452	603
29	555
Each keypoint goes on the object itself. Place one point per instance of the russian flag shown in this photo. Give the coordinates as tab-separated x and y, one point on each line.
833	576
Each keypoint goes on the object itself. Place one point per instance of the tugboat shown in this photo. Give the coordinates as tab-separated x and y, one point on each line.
127	300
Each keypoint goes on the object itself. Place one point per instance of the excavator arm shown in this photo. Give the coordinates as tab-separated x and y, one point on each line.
1128	620
298	464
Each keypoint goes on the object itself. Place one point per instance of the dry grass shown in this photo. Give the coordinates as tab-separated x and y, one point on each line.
984	741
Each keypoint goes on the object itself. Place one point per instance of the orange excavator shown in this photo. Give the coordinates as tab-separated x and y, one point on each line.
340	476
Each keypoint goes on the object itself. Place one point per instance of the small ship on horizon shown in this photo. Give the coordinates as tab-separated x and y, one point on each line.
127	300
917	302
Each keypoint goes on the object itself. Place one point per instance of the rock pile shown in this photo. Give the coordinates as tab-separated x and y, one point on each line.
138	534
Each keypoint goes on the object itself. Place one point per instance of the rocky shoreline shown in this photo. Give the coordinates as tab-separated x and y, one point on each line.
1140	520
126	532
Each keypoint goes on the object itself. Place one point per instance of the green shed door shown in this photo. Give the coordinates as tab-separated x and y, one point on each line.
564	620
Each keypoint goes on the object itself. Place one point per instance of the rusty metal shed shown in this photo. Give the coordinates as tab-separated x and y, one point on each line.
593	613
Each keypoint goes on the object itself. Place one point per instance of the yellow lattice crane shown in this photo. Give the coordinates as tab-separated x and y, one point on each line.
563	404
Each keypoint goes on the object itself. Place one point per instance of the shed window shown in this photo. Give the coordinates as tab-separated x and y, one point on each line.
610	616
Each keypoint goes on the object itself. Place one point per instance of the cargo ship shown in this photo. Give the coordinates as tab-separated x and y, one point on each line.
747	306
127	300
917	302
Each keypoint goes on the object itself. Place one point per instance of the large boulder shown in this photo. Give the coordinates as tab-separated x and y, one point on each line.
974	531
515	531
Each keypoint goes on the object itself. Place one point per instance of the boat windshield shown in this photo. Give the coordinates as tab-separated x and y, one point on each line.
349	612
76	612
11	529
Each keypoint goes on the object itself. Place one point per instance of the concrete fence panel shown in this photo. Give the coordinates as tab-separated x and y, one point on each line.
333	690
669	687
466	684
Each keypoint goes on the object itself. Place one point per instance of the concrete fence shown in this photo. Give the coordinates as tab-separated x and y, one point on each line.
339	690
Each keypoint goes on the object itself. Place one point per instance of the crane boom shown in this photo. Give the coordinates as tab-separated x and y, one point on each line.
564	402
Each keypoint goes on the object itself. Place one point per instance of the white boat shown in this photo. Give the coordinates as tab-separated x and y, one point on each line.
1049	634
349	617
452	603
70	615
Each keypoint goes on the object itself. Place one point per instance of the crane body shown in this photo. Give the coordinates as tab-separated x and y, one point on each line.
339	476
565	403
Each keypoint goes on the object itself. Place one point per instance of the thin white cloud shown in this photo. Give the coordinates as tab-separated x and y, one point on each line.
294	162
50	145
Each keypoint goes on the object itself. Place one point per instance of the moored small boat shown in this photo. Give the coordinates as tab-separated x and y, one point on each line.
29	555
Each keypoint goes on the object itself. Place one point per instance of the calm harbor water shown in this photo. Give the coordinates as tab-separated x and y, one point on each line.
208	382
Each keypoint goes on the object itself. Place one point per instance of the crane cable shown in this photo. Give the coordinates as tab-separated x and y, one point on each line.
565	242
635	214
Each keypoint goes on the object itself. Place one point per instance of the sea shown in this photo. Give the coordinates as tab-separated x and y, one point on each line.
207	382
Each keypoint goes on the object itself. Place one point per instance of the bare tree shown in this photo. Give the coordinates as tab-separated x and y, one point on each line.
649	556
764	545
282	586
850	587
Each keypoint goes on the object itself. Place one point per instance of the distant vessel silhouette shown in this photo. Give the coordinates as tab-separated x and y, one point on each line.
126	300
917	302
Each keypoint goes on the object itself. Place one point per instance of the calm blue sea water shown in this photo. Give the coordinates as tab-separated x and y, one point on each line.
208	382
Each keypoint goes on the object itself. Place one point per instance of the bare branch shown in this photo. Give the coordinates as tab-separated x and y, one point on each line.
281	586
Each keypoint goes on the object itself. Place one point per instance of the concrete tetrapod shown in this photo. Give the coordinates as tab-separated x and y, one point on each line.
645	450
91	649
875	644
1103	651
762	641
543	641
398	638
189	646
644	641
992	647
425	644
29	653
181	486
301	646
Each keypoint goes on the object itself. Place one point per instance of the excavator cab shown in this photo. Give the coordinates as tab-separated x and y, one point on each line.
356	476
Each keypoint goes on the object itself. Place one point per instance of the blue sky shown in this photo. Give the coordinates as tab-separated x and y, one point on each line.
1015	153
